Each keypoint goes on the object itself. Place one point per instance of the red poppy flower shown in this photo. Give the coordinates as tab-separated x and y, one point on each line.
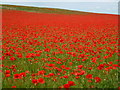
47	50
7	75
80	66
13	86
7	71
63	66
41	72
51	65
71	83
82	73
70	63
97	79
14	70
58	73
77	77
17	76
89	81
51	74
12	58
58	62
41	80
100	67
34	81
8	54
19	55
23	74
67	68
89	76
65	76
66	86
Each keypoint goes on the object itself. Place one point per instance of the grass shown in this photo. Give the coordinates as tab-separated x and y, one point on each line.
41	10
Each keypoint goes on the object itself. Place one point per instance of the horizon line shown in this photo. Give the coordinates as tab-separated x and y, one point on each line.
63	8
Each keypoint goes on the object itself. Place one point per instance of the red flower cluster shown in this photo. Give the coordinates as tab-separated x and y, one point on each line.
40	80
19	76
70	83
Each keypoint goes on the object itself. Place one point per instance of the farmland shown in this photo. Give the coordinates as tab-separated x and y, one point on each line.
52	48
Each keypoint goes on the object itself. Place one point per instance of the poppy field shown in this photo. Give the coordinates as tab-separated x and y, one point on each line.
53	50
